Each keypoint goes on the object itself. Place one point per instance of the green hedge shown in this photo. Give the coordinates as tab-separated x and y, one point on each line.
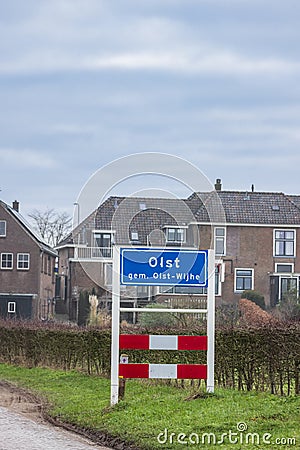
245	358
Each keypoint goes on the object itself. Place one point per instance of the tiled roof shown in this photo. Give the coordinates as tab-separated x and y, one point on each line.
295	199
265	208
141	215
127	215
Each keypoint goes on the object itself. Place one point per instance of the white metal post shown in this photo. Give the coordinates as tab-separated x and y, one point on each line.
211	322
115	329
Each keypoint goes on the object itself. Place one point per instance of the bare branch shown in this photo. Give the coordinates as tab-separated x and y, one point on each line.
51	225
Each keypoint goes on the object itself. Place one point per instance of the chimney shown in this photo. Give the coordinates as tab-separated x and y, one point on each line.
252	188
15	205
218	185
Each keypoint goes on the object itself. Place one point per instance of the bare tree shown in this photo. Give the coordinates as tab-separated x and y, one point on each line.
51	225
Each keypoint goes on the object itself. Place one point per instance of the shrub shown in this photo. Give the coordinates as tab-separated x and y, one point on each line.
289	308
156	320
255	297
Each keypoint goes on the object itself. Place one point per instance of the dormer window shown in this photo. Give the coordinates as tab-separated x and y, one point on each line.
175	234
134	236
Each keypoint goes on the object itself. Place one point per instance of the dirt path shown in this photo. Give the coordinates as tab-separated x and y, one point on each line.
15	400
21	402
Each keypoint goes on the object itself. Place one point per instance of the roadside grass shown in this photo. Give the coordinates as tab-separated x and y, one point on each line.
153	409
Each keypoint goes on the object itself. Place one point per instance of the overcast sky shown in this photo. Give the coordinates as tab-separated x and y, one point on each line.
83	82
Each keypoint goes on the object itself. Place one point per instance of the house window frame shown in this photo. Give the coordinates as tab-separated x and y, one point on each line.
5	225
285	277
142	291
201	289
108	276
11	307
284	240
284	264
134	236
223	238
176	233
105	250
12	261
236	276
19	262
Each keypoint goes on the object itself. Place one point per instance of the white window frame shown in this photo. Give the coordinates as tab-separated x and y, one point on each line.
176	228
236	276
3	221
106	251
11	307
12	261
134	236
285	277
284	264
223	238
19	262
275	240
108	266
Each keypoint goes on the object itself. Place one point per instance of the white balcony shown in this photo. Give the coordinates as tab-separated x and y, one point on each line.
93	253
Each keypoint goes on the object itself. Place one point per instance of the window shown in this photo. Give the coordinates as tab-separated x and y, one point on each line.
23	261
175	235
11	307
197	290
243	279
108	272
134	236
103	242
220	241
284	243
2	228
142	291
183	290
284	268
6	260
288	285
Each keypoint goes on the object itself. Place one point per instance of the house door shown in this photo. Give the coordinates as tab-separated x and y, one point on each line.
274	291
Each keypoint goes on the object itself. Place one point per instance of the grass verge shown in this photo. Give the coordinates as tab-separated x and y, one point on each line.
151	410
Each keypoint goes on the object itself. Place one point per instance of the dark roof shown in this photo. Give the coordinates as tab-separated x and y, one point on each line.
260	208
295	199
142	215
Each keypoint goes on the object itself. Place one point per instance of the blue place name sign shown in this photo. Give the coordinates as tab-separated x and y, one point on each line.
145	266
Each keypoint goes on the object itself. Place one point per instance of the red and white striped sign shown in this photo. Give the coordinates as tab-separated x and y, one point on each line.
177	371
162	342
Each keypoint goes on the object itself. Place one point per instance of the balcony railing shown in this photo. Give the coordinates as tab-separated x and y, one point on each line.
92	252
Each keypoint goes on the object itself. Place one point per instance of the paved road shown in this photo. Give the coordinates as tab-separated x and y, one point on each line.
19	432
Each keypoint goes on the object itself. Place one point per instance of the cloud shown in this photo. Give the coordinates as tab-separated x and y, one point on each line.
82	41
23	158
210	61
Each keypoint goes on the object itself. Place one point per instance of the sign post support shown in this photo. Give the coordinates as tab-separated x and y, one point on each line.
211	322
115	330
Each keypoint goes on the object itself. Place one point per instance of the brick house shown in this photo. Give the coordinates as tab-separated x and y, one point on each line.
255	236
27	276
